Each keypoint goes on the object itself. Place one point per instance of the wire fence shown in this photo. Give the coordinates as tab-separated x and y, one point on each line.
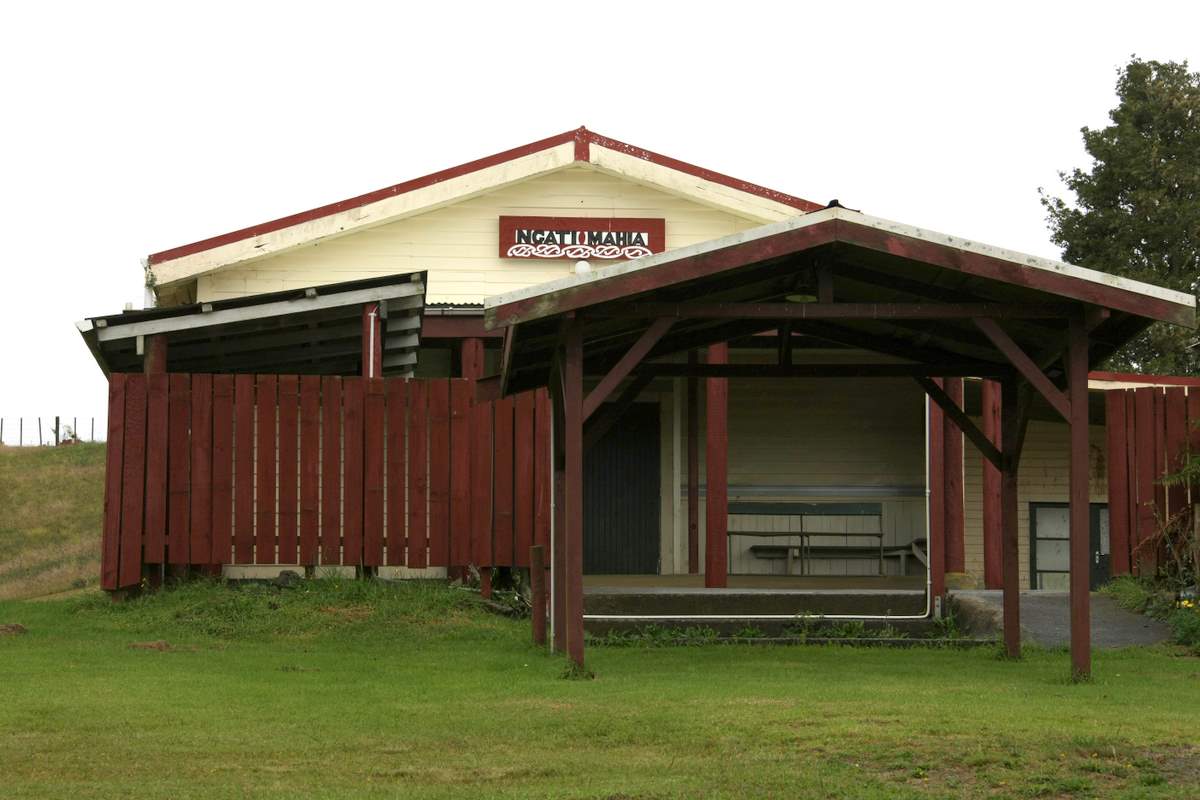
49	431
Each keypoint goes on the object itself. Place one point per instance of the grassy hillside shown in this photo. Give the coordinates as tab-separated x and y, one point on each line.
346	689
51	505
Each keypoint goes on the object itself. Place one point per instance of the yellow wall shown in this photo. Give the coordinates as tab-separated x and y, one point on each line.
791	439
1042	478
458	244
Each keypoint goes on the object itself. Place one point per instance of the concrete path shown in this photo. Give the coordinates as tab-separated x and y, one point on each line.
1045	619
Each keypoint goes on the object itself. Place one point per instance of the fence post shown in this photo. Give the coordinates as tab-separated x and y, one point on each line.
57	440
537	592
39	419
93	437
20	431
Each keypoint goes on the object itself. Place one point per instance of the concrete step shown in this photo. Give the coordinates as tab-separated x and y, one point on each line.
749	602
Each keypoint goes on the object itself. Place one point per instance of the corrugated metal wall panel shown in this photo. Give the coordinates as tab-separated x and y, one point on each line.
621	497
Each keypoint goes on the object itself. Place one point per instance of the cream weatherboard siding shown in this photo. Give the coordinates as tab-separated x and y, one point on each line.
789	440
458	244
1042	478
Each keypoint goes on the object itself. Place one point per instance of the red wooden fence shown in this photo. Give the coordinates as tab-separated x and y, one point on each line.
205	470
1150	431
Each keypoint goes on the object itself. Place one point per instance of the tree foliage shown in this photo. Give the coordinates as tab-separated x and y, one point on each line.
1136	212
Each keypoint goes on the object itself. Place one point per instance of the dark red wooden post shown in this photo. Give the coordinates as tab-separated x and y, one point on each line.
693	470
471	358
1010	432
558	550
992	558
936	540
1148	471
154	360
537	592
372	341
952	465
573	454
1119	484
371	489
114	470
558	555
716	506
1080	508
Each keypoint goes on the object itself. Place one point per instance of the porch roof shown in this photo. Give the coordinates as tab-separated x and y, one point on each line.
901	291
311	331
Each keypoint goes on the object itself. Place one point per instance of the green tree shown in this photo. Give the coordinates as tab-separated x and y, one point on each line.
1136	212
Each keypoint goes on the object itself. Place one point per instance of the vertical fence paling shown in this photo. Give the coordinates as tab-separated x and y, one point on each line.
207	470
352	454
1149	433
374	441
439	475
110	549
200	520
417	476
396	394
222	469
460	471
156	469
179	486
289	467
310	461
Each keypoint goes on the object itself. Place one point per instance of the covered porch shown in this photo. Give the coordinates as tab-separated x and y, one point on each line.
933	309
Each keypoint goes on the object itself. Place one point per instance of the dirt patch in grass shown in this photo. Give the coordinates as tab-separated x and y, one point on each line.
1073	772
13	629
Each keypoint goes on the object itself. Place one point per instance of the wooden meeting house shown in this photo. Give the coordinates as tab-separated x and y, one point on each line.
667	377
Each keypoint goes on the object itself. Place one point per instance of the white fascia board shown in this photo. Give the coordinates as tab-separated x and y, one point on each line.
707	193
825	215
280	308
1022	259
390	209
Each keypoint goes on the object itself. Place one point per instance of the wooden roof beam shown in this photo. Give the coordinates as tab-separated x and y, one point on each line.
1026	366
625	365
826	310
971	369
960	419
603	421
890	346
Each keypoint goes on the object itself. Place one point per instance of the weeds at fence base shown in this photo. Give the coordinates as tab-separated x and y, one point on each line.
574	672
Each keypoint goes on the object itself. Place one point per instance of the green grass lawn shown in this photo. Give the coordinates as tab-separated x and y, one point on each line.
351	689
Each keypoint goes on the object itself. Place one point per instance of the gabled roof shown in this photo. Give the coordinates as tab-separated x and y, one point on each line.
871	262
579	146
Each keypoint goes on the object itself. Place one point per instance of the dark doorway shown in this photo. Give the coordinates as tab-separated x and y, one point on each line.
621	496
1049	551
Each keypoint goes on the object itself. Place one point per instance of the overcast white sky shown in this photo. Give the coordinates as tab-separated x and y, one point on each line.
128	129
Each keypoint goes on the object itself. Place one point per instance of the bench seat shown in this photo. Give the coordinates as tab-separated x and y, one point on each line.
781	551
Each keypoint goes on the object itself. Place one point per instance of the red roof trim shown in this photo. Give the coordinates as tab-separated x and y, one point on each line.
582	138
1133	377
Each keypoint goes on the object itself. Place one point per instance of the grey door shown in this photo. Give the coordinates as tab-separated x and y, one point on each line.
1049	551
621	496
